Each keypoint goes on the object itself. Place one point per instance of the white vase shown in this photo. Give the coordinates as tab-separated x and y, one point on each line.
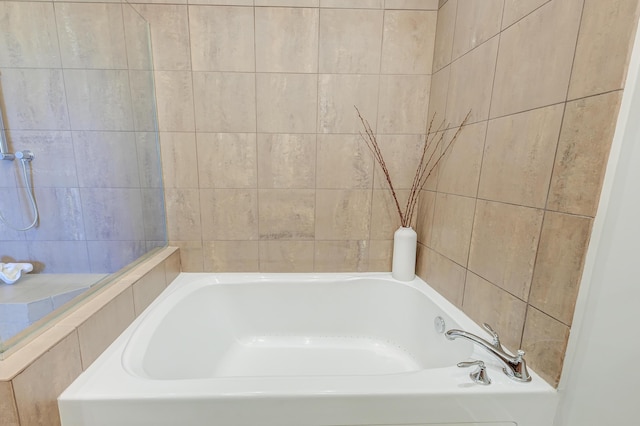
405	241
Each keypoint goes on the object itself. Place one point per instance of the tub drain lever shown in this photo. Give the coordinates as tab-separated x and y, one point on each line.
480	375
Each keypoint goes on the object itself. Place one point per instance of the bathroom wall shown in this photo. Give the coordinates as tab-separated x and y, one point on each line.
263	165
76	88
504	227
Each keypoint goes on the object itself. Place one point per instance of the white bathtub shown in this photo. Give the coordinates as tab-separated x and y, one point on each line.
298	349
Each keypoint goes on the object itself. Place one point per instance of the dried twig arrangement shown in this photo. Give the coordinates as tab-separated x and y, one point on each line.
431	156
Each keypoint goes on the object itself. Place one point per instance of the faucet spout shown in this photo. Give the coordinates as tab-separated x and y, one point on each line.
515	367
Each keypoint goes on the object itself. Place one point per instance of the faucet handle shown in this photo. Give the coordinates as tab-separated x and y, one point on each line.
480	375
494	335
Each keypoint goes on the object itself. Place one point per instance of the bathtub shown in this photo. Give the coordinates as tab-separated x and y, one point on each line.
298	349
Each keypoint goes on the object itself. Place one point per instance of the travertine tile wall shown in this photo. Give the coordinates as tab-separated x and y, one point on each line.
504	228
76	89
263	165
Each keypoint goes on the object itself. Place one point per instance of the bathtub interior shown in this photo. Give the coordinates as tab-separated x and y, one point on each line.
363	326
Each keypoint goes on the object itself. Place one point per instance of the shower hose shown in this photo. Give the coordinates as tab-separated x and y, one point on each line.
32	200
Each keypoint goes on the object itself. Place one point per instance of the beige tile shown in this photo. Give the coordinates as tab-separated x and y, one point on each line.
380	255
558	269
350	40
137	39
103	159
385	219
191	259
583	149
459	169
411	4
183	214
438	98
344	161
57	368
285	3
99	99
337	95
222	38
147	288
91	35
353	4
229	214
504	244
518	157
61	256
179	159
342	214
286	214
235	106
104	207
452	224
470	84
286	161
227	160
172	267
606	37
514	10
62	213
286	39
487	303
103	327
529	74
231	256
545	341
341	256
424	216
222	2
111	256
404	100
476	22
441	273
286	256
444	34
143	100
401	155
8	405
174	91
34	99
169	26
28	37
287	103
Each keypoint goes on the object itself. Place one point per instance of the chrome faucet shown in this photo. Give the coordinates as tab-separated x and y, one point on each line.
515	367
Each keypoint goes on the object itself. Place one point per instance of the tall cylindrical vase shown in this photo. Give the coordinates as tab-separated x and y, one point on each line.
405	241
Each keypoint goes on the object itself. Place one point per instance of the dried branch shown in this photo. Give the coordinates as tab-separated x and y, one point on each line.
425	165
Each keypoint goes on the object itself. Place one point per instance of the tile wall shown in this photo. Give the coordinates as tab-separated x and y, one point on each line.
76	88
504	228
264	168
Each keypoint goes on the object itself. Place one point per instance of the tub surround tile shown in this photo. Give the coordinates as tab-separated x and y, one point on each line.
110	256
191	255
286	256
385	219
545	341
514	10
341	256
104	207
519	155
401	154
286	39
403	104
437	111
287	3
504	244
227	160
153	212
28	37
57	368
183	214
174	92
353	4
342	214
104	326
424	216
179	156
8	405
380	255
444	275
229	214
220	2
343	161
445	28
147	288
337	95
231	256
606	35
558	269
585	140
411	4
172	267
169	26
476	22
452	225
286	103
505	313
350	40
286	214
286	161
222	38
525	61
